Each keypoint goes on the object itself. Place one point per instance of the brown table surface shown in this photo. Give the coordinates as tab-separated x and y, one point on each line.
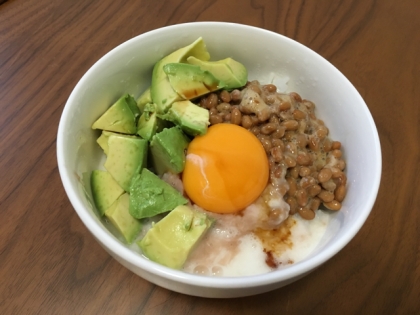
50	264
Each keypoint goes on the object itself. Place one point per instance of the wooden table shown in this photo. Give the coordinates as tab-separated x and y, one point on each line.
50	264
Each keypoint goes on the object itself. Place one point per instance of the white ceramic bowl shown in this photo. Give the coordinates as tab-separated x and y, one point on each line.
128	68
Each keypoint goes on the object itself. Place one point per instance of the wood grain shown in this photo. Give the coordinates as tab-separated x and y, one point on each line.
50	264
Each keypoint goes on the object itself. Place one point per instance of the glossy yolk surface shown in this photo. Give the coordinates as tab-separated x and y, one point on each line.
226	169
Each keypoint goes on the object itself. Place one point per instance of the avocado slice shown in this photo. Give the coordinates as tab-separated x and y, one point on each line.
103	139
149	123
170	240
149	196
189	81
105	190
120	117
231	72
162	93
126	157
121	218
168	150
192	119
144	98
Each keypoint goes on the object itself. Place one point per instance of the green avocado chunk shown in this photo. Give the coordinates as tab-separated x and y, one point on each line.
149	123
170	240
105	190
150	195
126	157
232	73
103	139
189	81
144	98
192	119
121	218
168	150
120	117
162	94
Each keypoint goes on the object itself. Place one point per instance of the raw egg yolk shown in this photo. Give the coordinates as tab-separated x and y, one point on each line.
226	169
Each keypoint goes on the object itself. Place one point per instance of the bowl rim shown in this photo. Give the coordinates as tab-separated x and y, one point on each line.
135	259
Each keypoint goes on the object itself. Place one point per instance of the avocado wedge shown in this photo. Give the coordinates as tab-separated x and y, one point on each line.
170	240
120	117
189	81
161	91
231	72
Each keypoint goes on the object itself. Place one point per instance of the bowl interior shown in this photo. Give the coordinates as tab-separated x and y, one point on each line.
269	57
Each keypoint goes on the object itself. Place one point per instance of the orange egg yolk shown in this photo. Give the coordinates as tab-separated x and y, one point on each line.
226	169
